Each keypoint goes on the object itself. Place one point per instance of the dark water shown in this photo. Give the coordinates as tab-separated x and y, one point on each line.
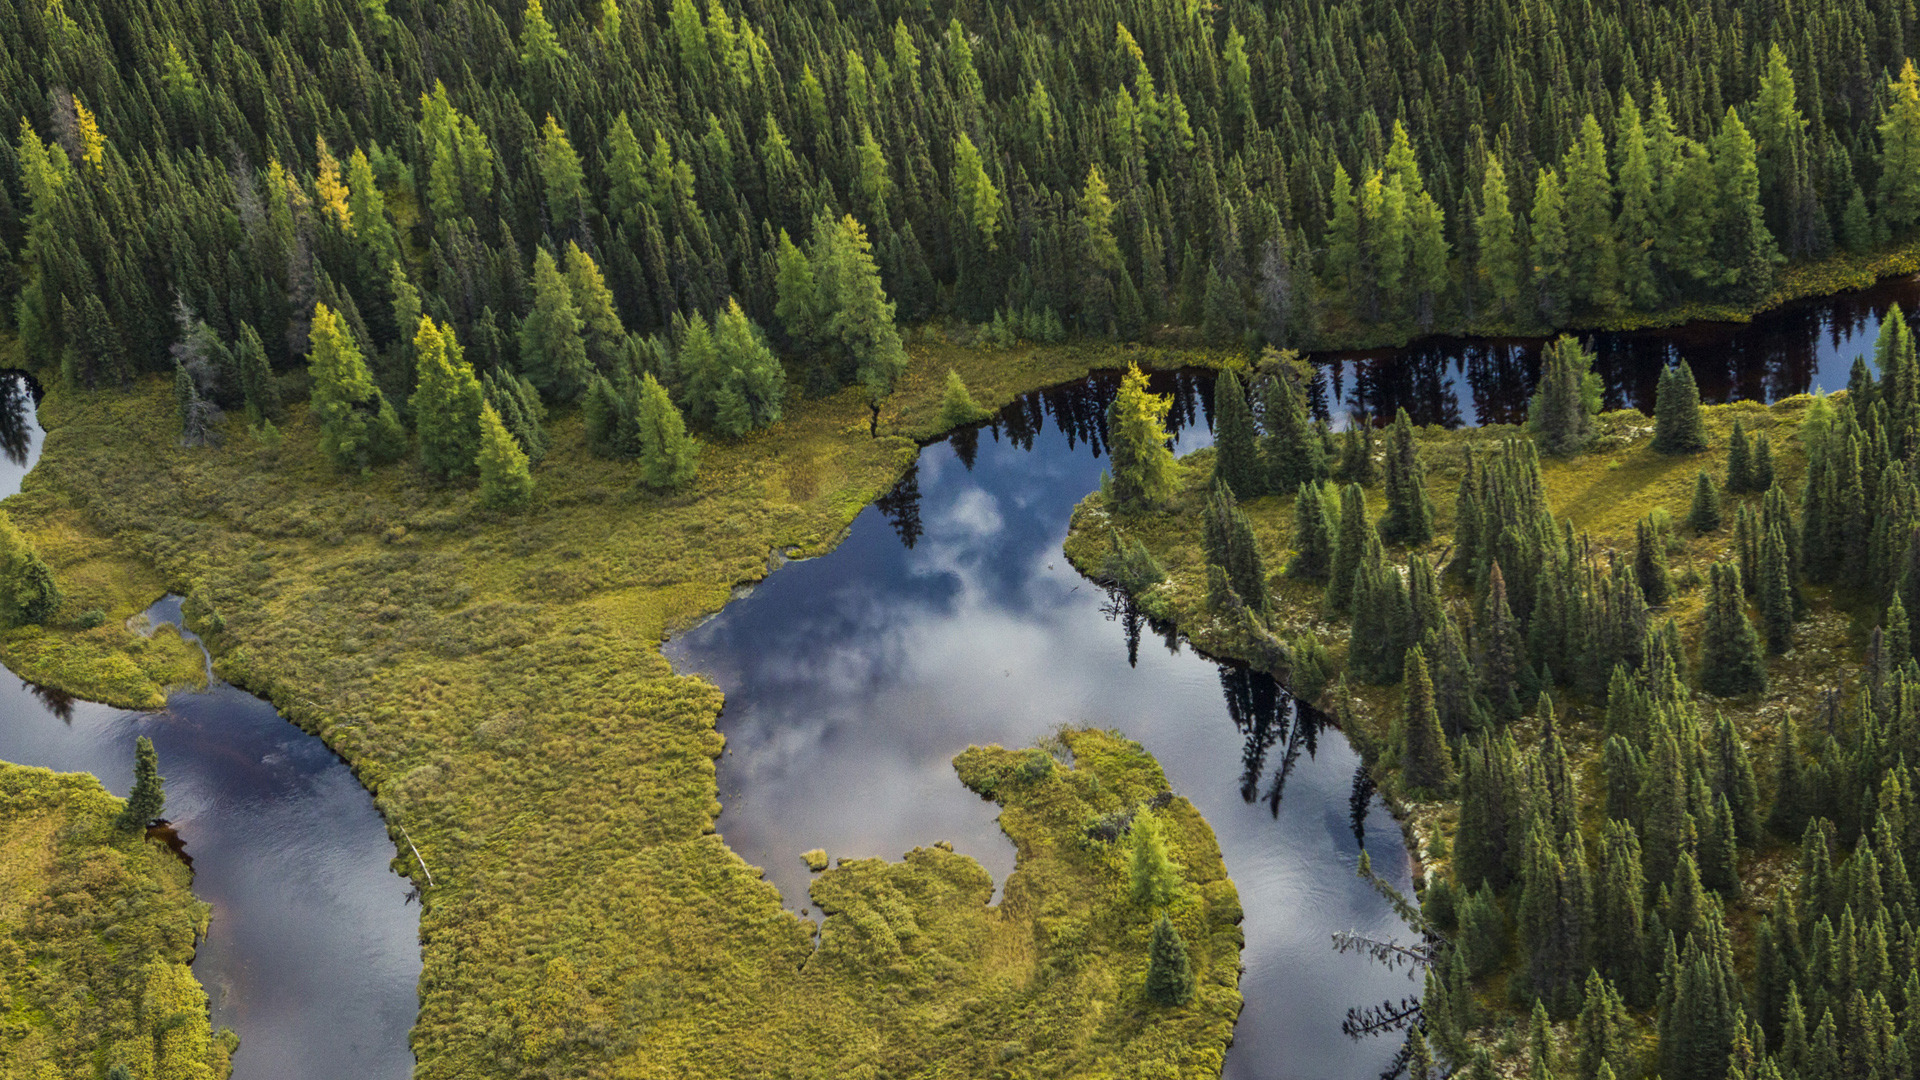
853	679
1455	382
949	617
313	954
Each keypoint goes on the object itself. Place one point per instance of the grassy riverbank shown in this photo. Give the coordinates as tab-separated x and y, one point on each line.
496	682
1604	492
97	928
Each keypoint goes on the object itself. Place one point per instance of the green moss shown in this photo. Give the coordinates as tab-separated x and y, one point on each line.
816	859
97	928
496	682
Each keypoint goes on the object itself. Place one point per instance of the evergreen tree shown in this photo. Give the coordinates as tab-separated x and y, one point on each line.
1650	563
446	402
1704	517
1137	441
1426	764
1899	193
1730	660
1739	461
1236	459
28	593
1293	455
553	356
1603	1035
1619	923
1351	548
1229	544
1561	411
1774	591
1409	516
358	427
1499	246
1154	876
256	376
957	407
1313	536
148	796
1744	248
669	457
1551	272
1787	817
1169	971
1677	425
506	483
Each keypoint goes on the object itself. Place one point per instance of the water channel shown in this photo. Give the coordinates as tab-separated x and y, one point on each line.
947	617
313	954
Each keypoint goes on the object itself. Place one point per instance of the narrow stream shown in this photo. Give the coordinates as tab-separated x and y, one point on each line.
949	616
313	954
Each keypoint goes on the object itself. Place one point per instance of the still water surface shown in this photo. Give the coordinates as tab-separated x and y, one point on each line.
313	954
948	617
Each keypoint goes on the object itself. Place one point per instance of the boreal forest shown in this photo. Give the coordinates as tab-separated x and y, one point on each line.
428	373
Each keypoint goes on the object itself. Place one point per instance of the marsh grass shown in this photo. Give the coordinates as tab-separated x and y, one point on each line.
97	928
496	682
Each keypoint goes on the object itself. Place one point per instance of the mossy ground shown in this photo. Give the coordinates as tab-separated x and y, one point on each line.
97	927
1604	491
496	682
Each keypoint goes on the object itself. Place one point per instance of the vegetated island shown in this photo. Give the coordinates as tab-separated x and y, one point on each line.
1639	689
97	928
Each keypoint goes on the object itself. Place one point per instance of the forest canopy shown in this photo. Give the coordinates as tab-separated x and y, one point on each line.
1290	172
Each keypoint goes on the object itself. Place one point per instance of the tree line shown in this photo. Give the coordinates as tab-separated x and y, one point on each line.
1624	926
1295	173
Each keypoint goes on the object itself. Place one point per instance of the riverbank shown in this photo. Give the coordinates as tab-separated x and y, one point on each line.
1603	492
496	683
97	929
1835	274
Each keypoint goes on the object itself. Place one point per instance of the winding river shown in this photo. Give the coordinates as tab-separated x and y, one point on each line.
313	954
948	616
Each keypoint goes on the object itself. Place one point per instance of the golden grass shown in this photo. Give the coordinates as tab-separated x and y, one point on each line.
496	682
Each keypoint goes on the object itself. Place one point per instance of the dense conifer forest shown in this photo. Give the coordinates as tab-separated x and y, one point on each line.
595	192
1642	687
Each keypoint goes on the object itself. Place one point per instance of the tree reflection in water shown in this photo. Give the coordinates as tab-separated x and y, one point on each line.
17	398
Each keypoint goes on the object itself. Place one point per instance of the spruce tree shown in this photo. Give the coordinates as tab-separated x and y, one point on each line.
1409	516
1603	1035
148	796
1229	544
1137	443
669	457
1355	532
1619	923
1787	816
446	402
1739	461
1704	516
1650	563
553	356
1502	655
1293	455
1677	425
256	377
28	593
1774	592
1236	450
1426	763
506	483
1730	659
1560	414
1169	971
1762	469
1313	536
1500	267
